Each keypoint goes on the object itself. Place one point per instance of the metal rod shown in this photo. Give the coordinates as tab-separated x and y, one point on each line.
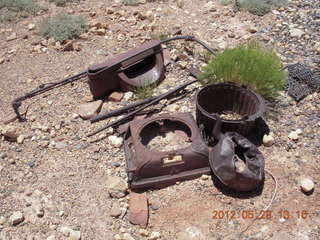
156	100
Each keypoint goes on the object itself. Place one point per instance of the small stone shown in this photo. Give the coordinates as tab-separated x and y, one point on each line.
11	37
68	46
74	235
115	211
89	110
183	64
12	161
2	220
155	204
10	133
38	210
100	31
295	32
31	26
2	60
116	186
127	96
231	35
51	237
204	177
115	141
299	131
251	29
127	236
16	218
144	232
117	237
138	209
293	136
306	185
20	139
268	140
154	236
115	96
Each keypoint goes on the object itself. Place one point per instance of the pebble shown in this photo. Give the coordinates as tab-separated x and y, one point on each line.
116	186
115	96
154	236
20	139
144	232
115	141
127	236
306	185
155	204
16	218
12	36
51	237
293	136
2	60
89	110
268	140
10	133
38	210
295	32
115	210
2	220
205	177
127	96
31	26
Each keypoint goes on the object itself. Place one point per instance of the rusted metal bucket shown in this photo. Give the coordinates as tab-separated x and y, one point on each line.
222	97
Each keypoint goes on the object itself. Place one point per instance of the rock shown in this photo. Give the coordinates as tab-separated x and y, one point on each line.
251	29
10	133
74	235
306	185
2	60
38	209
144	232
127	236
31	26
101	32
210	7
115	96
127	96
155	204
16	218
268	140
117	237
51	237
293	136
115	141
295	32
231	35
12	36
68	46
115	211
20	139
154	236
183	64
316	48
116	187
138	209
2	220
89	110
299	131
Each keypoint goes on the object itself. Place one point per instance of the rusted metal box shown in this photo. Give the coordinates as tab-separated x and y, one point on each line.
135	68
157	168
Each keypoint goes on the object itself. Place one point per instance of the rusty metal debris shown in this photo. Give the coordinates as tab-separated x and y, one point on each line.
235	161
135	68
224	97
155	167
133	113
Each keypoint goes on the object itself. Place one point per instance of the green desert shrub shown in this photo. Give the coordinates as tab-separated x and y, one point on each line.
259	7
11	9
130	2
63	27
144	91
62	2
247	64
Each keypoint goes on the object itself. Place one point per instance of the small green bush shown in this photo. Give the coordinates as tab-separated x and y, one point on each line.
63	27
226	2
259	7
144	91
11	9
62	2
130	2
247	64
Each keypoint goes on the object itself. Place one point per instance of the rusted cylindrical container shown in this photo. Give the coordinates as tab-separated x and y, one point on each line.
228	97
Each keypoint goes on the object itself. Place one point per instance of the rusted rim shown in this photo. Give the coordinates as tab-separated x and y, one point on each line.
162	119
261	104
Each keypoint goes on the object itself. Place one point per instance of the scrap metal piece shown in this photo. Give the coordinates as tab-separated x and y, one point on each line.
217	98
155	168
235	161
135	68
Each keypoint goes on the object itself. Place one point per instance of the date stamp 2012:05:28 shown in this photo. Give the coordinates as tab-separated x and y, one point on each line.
252	214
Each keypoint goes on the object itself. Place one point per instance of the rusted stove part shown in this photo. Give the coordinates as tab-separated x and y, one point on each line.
232	147
155	168
220	97
135	68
